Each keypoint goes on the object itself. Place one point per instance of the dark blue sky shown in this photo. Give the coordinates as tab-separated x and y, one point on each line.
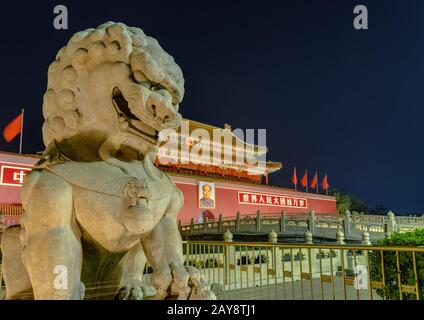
333	99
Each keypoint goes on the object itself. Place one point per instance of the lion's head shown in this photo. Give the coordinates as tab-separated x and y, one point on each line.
112	86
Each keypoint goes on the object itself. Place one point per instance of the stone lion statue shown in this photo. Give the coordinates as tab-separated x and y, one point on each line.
95	206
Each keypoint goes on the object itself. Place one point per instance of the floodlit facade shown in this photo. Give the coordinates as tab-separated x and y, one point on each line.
209	189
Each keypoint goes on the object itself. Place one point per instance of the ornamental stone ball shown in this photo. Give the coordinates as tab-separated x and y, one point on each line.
95	207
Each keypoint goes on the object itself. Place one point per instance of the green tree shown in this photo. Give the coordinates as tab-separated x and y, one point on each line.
406	265
348	201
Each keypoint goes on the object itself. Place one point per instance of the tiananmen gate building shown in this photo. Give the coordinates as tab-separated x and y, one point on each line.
209	190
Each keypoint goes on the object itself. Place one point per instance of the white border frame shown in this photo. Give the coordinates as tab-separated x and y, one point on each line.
272	205
11	167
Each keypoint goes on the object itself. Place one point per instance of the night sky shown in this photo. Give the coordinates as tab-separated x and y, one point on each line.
332	98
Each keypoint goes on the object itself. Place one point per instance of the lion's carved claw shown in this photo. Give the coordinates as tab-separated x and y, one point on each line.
190	284
200	286
135	290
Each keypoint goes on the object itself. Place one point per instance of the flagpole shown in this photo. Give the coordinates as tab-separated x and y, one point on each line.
295	174
22	132
306	180
326	185
316	173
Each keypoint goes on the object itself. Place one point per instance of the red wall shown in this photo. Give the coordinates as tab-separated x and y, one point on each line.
10	191
226	198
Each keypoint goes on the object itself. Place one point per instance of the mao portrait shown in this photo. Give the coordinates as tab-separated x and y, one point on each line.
206	195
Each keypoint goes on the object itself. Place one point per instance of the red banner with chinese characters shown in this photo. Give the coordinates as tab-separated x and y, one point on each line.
267	199
12	175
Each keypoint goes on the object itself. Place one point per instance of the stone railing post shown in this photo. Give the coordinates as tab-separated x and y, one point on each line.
237	222
205	224
311	222
283	221
340	238
220	223
273	237
350	263
276	252
258	221
366	239
390	223
308	238
346	223
228	255
191	226
228	236
311	252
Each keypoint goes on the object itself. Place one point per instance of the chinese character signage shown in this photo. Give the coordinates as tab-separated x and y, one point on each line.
267	199
206	195
11	175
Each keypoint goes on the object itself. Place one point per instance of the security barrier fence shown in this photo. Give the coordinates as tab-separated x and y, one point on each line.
238	270
275	271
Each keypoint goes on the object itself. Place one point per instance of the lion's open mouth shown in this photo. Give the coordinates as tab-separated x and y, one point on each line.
135	125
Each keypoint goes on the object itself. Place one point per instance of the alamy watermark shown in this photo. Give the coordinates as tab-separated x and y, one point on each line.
60	282
60	22
361	277
360	22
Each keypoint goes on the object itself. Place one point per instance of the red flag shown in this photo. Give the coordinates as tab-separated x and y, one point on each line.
314	180
13	128
324	183
294	177
304	181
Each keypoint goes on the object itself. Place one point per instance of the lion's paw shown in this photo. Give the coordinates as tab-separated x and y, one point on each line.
200	286
135	290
